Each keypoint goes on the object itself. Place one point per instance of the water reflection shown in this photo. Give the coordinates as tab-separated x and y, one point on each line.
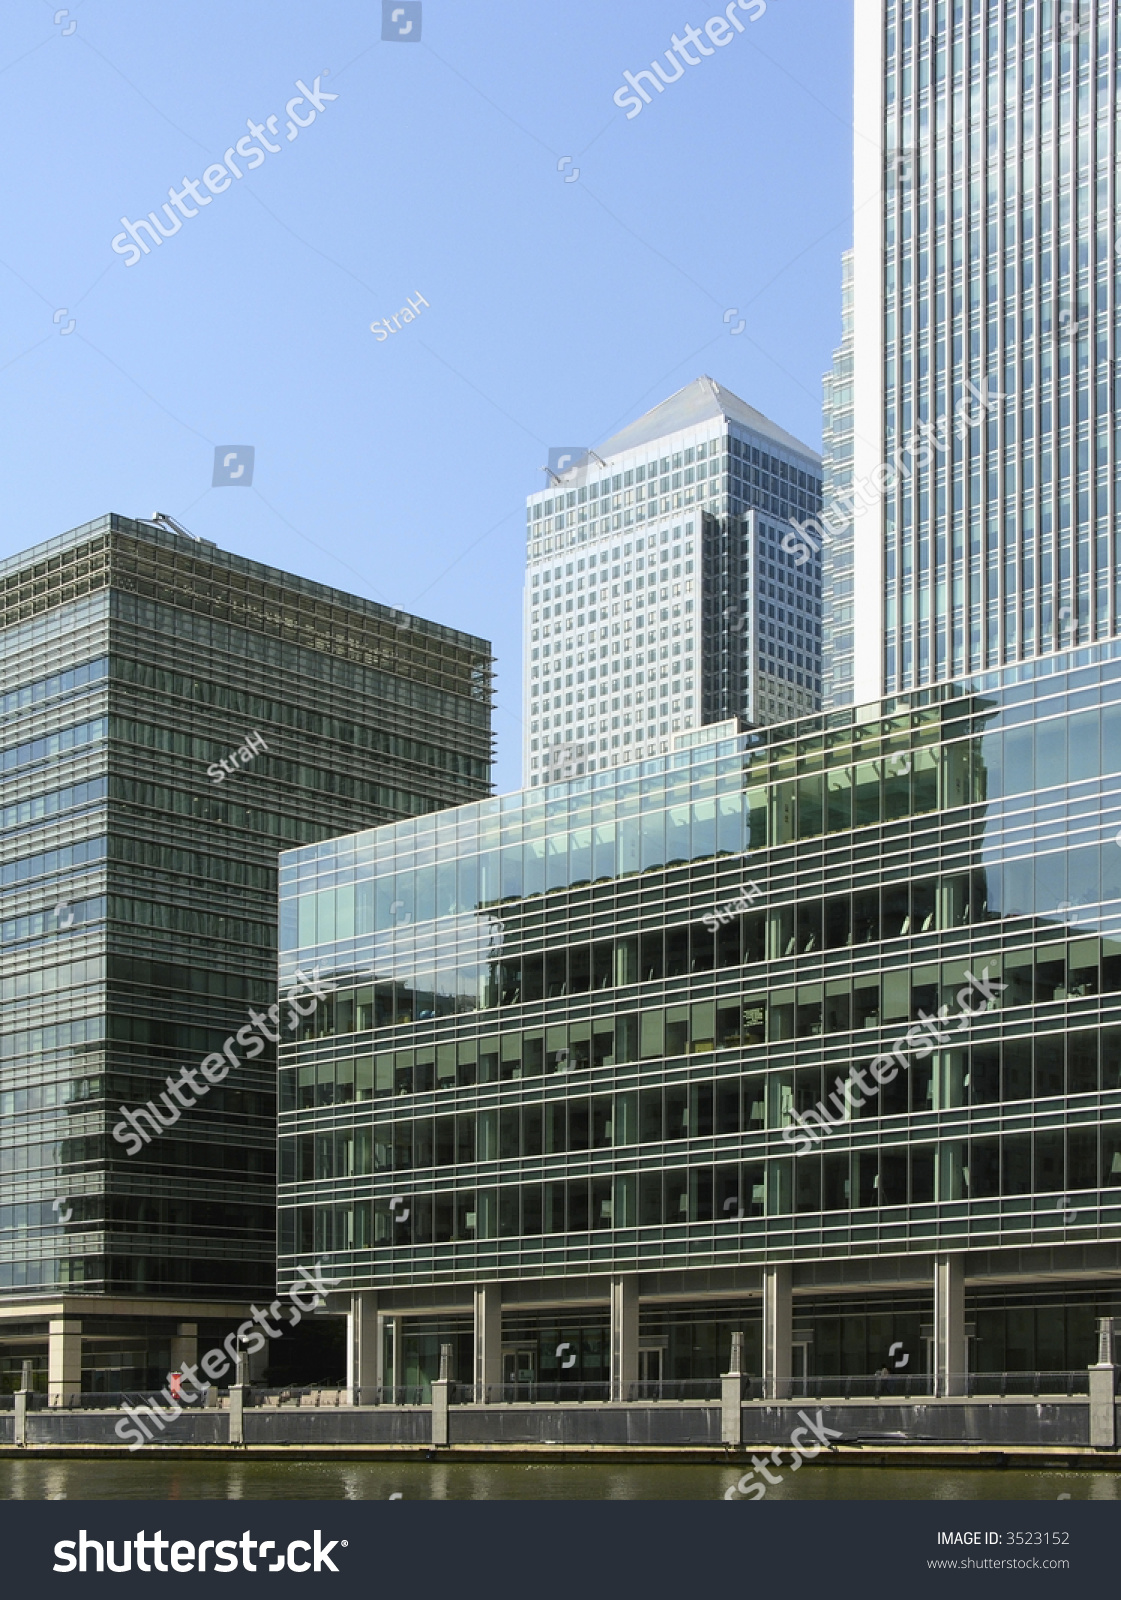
155	1479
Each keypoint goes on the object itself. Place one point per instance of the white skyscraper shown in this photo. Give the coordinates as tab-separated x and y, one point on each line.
659	594
838	595
985	324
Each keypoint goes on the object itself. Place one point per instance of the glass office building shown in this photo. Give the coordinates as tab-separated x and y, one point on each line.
986	230
838	590
660	596
812	1032
172	716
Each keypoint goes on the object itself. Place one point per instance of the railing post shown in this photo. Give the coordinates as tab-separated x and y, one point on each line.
1103	1384
731	1396
237	1414
238	1391
23	1394
440	1389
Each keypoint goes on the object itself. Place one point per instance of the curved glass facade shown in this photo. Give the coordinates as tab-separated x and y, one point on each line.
598	1063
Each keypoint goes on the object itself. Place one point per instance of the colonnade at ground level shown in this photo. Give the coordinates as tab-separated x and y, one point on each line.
376	1326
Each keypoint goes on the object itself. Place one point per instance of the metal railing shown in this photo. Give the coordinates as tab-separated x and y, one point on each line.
310	1394
871	1386
654	1390
407	1394
999	1384
885	1387
112	1400
513	1394
920	1386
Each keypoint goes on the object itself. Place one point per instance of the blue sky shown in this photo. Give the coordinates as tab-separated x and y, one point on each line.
559	307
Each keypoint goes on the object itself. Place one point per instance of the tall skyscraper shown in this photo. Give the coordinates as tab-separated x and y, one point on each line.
659	594
985	255
838	590
172	716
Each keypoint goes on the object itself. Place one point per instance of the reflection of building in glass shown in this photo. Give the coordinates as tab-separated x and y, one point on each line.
563	1109
139	914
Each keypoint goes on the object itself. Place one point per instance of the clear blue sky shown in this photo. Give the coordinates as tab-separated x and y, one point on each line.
558	311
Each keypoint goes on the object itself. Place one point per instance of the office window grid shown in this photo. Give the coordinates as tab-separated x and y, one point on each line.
616	1088
1000	268
615	575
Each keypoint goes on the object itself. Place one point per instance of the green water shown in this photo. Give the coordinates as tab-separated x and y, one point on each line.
152	1479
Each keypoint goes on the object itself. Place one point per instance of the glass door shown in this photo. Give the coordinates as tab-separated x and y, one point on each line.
519	1372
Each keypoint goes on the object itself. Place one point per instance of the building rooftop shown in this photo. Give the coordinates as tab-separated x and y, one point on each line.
703	400
205	550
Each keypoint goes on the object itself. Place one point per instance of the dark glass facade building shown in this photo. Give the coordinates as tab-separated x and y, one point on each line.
609	1074
173	716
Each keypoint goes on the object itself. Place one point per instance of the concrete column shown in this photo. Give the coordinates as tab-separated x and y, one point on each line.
440	1387
183	1351
777	1331
731	1396
949	1325
1103	1386
488	1339
624	1335
184	1346
363	1349
64	1362
395	1326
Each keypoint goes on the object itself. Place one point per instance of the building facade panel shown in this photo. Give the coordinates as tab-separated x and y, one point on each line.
842	996
172	715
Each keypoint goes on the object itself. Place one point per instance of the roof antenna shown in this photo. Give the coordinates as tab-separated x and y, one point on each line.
161	520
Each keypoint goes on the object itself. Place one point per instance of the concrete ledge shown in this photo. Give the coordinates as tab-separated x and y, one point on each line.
891	1457
965	1429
